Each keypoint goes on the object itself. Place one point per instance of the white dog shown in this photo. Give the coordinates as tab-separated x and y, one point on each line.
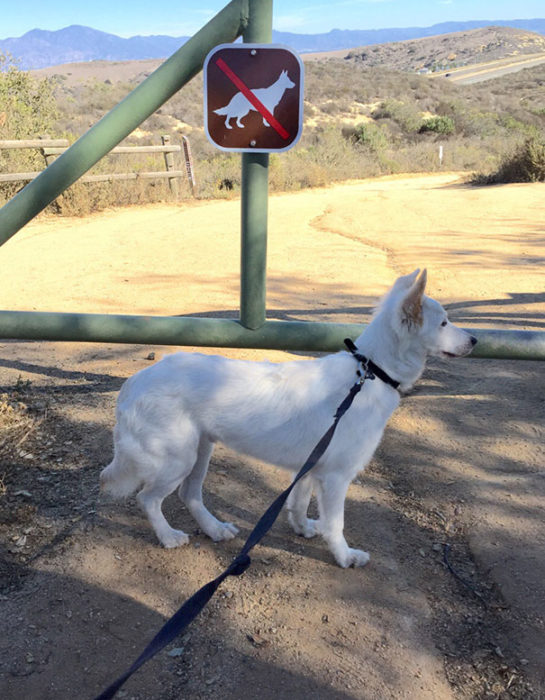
239	106
170	415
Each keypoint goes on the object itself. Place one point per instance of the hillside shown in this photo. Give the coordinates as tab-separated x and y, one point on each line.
39	48
360	120
451	50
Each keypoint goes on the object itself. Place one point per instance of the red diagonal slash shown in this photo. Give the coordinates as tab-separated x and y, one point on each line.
252	99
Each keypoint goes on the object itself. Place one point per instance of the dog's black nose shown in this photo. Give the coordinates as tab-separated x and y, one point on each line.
473	340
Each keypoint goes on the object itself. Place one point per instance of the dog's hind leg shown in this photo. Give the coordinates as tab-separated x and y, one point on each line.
331	494
150	499
190	492
297	506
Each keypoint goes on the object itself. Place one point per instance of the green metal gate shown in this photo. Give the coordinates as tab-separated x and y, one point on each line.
251	19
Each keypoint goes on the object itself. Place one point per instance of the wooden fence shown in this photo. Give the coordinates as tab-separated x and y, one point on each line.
51	148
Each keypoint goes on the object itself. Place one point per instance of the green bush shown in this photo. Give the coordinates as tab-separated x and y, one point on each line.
439	125
370	135
406	115
27	104
27	110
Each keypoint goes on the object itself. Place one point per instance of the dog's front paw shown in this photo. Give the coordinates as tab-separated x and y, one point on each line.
174	538
223	531
352	557
310	528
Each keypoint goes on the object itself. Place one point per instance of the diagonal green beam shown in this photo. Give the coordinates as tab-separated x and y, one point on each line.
226	26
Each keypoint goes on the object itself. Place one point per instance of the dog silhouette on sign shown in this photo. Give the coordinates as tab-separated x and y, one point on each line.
239	106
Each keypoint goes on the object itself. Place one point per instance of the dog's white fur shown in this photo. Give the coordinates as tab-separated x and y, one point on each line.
170	415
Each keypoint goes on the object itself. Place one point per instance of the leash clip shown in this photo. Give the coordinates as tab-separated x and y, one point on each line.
367	373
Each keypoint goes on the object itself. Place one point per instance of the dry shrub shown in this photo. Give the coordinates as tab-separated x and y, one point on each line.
477	124
16	423
525	163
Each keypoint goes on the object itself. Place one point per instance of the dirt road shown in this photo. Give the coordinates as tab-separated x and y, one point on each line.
85	585
480	72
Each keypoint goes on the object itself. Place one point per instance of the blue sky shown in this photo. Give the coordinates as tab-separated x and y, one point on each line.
184	17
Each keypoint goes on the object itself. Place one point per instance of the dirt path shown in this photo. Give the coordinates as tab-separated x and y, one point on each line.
84	583
479	72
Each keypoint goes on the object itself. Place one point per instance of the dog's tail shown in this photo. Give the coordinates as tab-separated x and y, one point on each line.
222	111
120	478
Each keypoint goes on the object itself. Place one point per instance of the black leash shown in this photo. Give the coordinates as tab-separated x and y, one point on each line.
193	606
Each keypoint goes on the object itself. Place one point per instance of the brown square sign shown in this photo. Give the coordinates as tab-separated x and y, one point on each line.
253	97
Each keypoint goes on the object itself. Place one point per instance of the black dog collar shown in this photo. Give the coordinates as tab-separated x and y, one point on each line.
371	369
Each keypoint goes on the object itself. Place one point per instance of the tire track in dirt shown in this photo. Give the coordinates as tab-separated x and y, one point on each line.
319	224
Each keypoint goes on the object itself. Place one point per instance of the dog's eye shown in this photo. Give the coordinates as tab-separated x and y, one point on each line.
444	323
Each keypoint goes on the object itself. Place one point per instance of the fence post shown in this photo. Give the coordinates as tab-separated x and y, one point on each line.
169	165
189	163
254	197
48	157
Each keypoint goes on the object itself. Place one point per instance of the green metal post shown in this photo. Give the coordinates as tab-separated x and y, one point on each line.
254	195
253	259
123	119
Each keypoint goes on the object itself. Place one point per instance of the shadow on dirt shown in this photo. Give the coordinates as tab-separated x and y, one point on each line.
68	638
461	463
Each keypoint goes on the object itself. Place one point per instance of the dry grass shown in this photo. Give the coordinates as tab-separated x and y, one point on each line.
392	112
16	424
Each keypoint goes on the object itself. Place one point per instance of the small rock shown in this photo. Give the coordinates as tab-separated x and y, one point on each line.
151	356
178	651
256	640
325	618
422	552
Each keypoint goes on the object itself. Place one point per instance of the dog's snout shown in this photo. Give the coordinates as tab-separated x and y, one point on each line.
473	340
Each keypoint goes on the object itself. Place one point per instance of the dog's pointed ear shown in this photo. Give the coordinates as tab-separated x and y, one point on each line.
411	309
406	281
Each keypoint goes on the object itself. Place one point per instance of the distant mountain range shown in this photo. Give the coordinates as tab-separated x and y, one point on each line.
39	48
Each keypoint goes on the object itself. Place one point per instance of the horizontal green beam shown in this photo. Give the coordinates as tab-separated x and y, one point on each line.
173	330
227	333
142	102
509	345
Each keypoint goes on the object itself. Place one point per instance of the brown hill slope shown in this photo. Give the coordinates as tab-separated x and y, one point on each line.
450	50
